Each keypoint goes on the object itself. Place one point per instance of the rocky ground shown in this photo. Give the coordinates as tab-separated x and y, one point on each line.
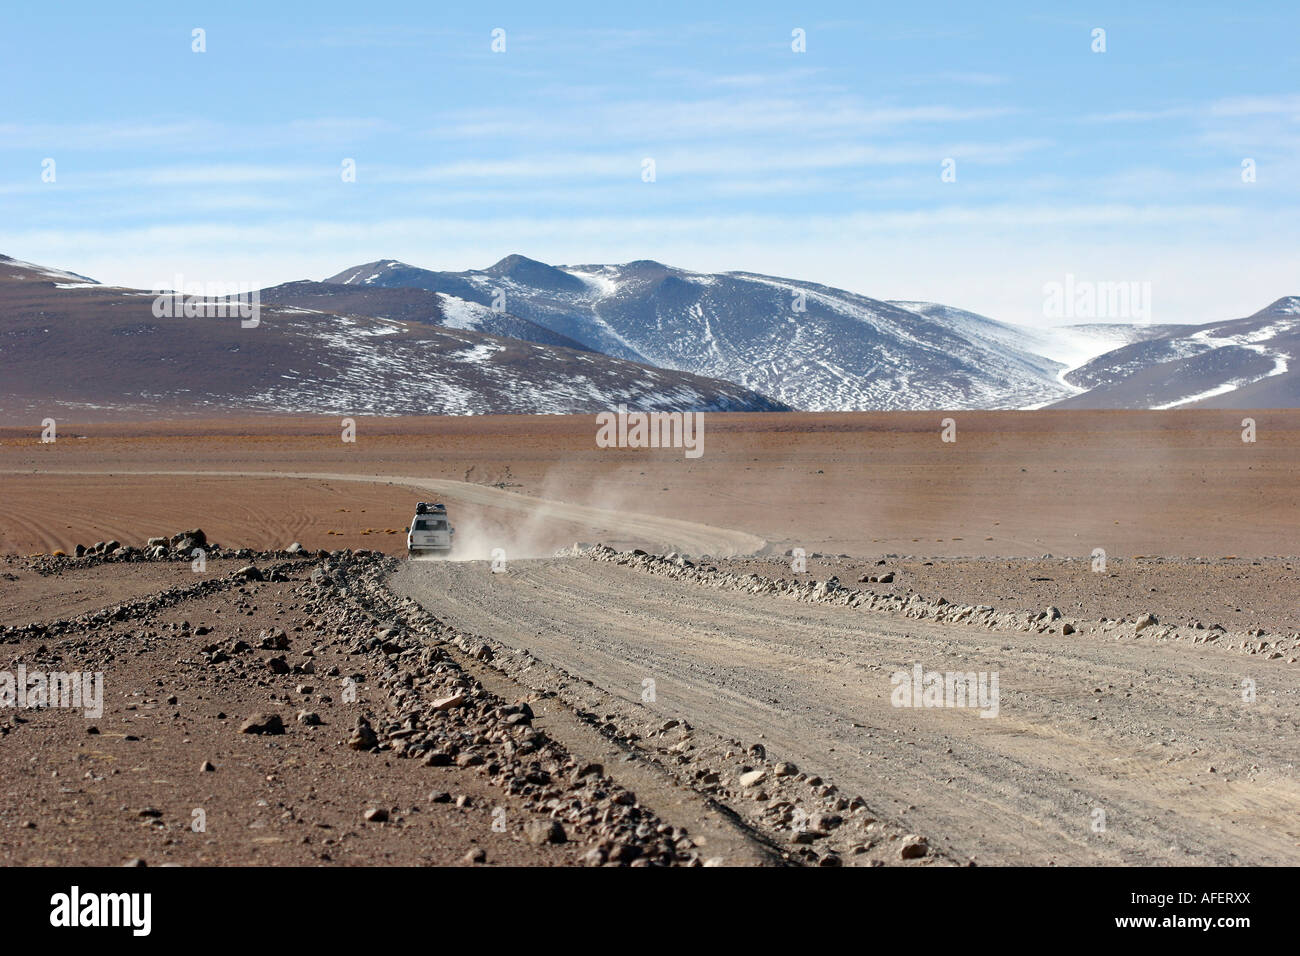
283	708
345	707
1245	605
1129	738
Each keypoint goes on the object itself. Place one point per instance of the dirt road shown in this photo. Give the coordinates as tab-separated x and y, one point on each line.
1155	737
533	524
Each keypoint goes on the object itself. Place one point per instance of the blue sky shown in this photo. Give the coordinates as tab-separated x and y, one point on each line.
823	165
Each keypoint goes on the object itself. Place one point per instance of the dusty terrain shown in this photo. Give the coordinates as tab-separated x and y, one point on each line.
758	669
1155	734
289	716
1012	484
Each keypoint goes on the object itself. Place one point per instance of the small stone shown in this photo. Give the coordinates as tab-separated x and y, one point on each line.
376	815
785	769
753	778
545	831
914	847
476	855
207	767
363	737
262	724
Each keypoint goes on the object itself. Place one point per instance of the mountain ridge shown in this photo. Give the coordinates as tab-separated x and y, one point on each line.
819	348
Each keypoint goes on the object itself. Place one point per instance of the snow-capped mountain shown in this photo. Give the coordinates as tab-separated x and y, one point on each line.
71	347
523	336
1242	363
413	305
809	345
15	270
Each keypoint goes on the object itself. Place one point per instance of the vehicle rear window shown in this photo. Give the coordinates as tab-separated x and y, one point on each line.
430	524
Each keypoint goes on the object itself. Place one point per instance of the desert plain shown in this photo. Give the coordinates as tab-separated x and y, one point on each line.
715	685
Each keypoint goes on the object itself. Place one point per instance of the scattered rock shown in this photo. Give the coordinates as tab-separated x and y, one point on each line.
545	831
262	724
363	736
913	847
753	778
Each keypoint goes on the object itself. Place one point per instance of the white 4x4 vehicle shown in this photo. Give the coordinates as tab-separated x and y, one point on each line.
430	531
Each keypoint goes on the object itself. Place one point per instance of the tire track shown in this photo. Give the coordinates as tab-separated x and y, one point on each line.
1084	725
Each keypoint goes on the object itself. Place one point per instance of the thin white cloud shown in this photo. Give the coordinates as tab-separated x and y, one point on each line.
666	120
722	161
187	135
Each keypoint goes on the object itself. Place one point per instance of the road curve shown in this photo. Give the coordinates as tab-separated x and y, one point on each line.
1085	724
655	531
